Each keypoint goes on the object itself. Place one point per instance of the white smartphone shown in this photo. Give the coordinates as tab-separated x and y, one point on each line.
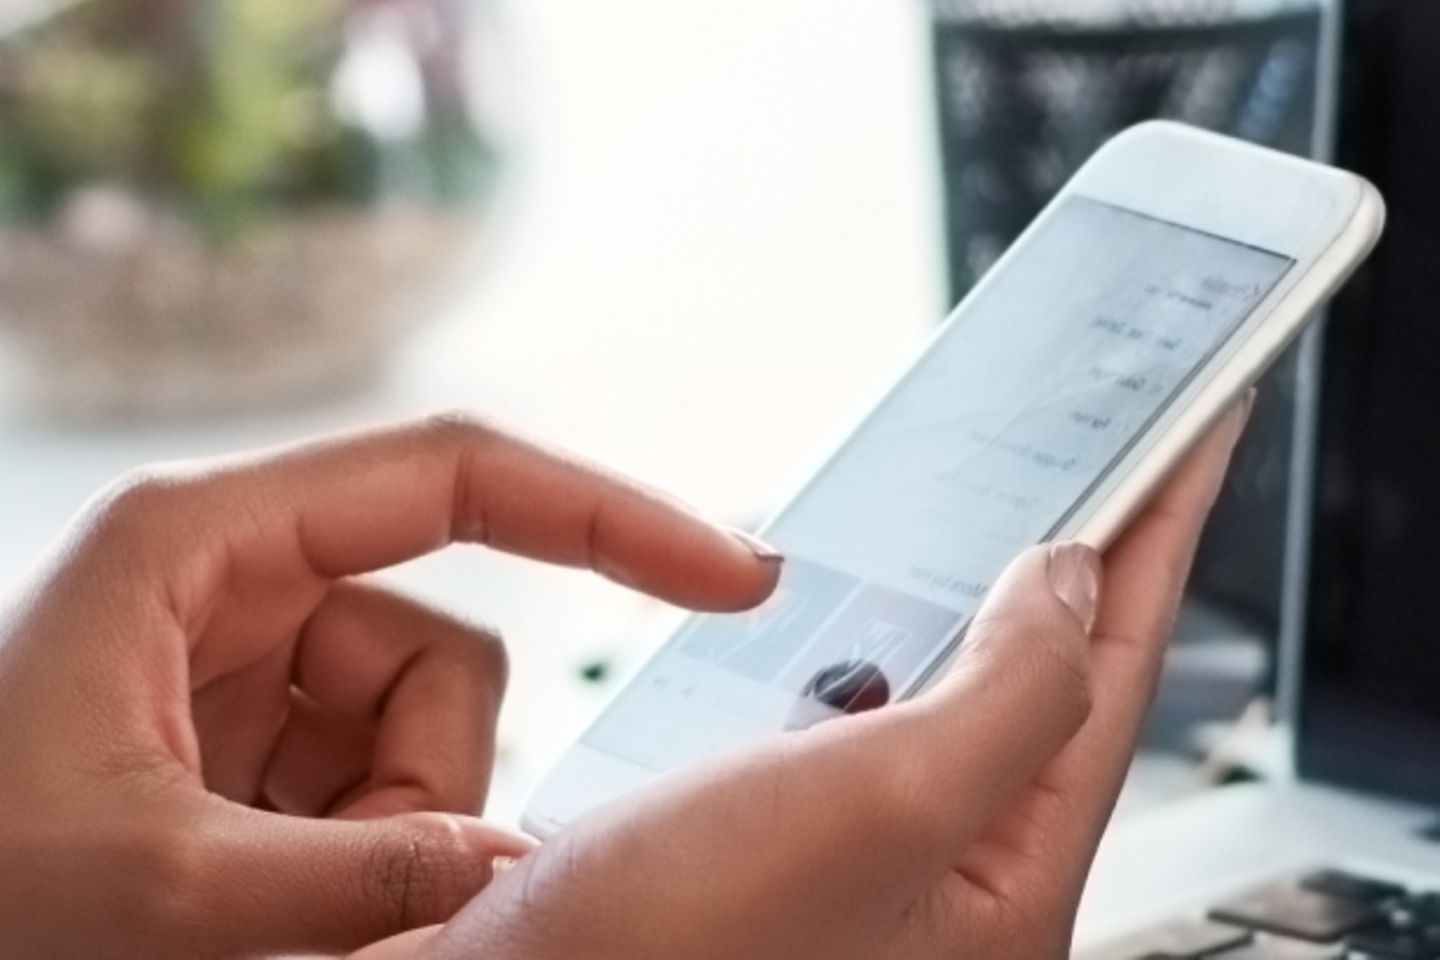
1160	283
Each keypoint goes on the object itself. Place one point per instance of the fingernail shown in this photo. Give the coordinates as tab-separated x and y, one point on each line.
1075	578
500	864
758	547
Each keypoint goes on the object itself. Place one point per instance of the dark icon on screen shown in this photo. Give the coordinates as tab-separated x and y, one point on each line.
852	686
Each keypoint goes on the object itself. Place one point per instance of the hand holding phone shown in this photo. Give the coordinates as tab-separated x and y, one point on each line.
1162	281
958	824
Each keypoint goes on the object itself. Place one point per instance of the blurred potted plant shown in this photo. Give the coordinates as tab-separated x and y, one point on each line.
209	205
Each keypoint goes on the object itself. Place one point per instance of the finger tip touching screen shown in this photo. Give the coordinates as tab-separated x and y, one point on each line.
1145	299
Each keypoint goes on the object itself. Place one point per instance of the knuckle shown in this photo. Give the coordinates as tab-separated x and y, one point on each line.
134	507
140	492
423	874
476	654
488	660
464	435
460	425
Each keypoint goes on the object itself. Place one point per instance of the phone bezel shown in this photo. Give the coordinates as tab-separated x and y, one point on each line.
1325	219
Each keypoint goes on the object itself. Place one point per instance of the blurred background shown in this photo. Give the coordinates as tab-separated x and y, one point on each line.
688	239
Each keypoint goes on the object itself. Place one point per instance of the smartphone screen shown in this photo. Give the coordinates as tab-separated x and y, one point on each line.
1052	370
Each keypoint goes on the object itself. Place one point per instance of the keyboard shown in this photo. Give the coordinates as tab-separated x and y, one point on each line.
1322	915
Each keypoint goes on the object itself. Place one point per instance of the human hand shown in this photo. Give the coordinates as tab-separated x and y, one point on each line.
216	742
959	824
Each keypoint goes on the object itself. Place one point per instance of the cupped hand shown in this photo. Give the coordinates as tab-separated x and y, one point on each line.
216	741
959	825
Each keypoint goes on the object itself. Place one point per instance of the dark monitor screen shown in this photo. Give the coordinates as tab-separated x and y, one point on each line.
1370	701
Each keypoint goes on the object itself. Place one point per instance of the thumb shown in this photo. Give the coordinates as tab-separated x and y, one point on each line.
1019	691
278	883
1027	651
892	797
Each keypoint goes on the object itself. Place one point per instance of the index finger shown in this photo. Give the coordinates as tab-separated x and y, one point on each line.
365	500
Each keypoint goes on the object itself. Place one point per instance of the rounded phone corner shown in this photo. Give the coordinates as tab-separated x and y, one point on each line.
1371	210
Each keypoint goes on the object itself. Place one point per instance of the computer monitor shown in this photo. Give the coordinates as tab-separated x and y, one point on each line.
1369	704
1026	92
